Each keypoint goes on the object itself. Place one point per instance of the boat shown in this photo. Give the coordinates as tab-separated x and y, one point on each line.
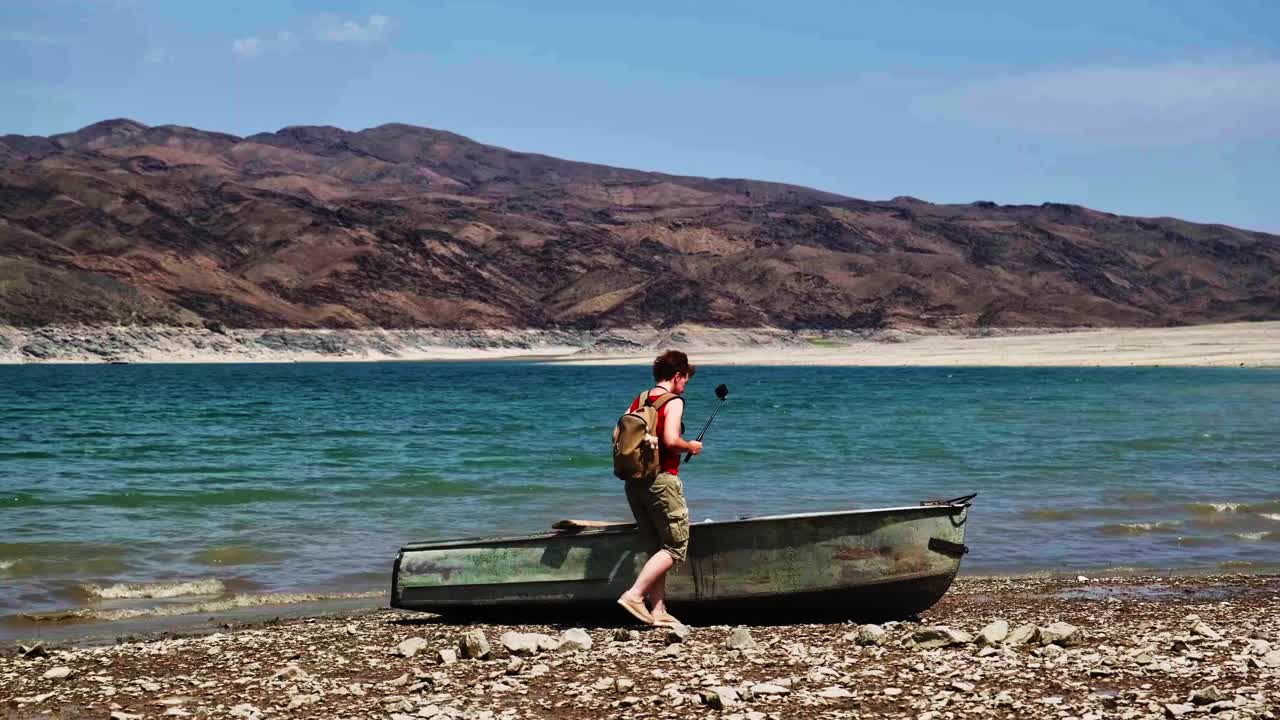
878	563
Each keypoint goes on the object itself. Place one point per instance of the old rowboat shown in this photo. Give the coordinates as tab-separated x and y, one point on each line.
881	563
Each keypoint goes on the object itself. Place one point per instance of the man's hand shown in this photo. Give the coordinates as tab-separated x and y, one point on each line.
695	447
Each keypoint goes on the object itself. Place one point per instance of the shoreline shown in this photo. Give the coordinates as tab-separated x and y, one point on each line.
1138	647
1226	345
76	626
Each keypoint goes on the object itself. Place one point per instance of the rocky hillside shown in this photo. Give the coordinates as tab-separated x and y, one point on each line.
403	227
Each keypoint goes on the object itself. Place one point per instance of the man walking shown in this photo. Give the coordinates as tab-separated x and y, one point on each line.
658	503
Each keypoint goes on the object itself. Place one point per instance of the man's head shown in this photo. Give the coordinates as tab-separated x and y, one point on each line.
673	366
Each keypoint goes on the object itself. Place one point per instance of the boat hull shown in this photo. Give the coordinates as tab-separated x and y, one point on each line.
885	563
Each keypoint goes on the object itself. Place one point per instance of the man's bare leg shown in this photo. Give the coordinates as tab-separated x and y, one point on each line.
658	596
654	571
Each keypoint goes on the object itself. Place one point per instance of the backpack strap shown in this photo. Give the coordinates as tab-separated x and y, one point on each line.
666	398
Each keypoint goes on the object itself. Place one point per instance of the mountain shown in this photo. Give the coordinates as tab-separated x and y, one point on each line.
400	226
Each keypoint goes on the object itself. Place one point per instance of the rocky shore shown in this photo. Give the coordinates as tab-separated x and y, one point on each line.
1123	647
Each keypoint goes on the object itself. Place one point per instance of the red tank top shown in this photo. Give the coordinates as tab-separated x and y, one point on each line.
668	460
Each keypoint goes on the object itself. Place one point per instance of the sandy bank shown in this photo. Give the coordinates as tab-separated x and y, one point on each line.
1195	646
1230	345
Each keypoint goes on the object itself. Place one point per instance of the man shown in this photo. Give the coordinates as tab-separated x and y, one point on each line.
661	513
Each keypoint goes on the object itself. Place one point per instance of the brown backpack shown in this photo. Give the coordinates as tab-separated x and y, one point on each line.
635	442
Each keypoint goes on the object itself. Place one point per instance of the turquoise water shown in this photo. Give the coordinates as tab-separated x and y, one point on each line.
307	477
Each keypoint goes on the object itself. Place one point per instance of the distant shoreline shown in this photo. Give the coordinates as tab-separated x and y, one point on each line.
1224	345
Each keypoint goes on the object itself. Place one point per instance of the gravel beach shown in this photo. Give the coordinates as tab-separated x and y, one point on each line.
1088	648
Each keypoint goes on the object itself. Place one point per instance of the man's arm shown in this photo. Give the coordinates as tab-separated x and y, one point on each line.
671	429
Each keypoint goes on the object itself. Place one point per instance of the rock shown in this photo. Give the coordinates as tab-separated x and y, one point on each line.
720	697
1023	634
31	652
447	656
174	700
624	635
474	645
61	672
1060	633
1204	631
769	689
1208	696
678	634
892	691
1174	710
247	711
962	686
290	672
575	640
515	665
527	643
1050	651
988	651
1272	659
937	636
411	647
834	693
994	634
672	650
740	639
871	635
121	715
624	685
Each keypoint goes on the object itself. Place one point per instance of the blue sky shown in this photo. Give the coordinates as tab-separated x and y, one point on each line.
1143	108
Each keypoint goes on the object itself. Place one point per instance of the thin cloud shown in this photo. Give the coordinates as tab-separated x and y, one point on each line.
247	48
375	30
31	37
1156	105
157	56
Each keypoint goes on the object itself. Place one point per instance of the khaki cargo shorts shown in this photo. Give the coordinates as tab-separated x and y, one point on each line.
662	516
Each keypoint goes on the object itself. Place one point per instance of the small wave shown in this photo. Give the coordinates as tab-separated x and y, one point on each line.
1140	528
6	564
237	555
1256	536
156	590
1205	508
234	602
1272	516
1236	564
1050	514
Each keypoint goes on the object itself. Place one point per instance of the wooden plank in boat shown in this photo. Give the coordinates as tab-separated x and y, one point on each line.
576	526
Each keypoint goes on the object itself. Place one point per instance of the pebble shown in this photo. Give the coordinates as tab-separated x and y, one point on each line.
937	636
412	646
59	673
290	672
720	697
1023	634
575	640
1204	631
623	635
678	634
518	643
740	639
769	689
446	656
1174	710
994	634
871	635
1060	633
835	692
474	645
121	715
1207	696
